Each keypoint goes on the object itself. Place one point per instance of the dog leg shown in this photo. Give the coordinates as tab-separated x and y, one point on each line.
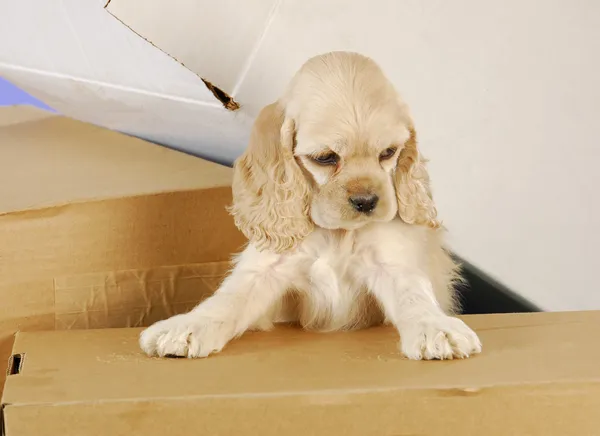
426	332
256	283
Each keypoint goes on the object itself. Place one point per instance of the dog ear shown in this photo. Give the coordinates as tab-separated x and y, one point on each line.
271	196
415	202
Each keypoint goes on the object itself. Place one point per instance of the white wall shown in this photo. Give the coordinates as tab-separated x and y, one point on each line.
506	97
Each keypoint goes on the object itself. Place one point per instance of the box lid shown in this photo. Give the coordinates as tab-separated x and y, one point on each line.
103	72
56	160
532	366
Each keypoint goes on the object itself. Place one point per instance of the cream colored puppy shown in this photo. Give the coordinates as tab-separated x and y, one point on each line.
334	198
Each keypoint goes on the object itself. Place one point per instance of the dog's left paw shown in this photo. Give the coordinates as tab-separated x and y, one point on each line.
189	335
438	338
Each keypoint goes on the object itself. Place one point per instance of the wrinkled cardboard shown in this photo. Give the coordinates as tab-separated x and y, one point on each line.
538	375
98	229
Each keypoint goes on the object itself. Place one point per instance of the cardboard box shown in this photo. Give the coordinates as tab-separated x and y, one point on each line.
92	66
98	229
538	375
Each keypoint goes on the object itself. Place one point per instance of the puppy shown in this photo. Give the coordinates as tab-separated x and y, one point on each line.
334	198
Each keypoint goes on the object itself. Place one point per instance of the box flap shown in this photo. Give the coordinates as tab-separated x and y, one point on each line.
215	40
104	73
92	365
86	47
56	160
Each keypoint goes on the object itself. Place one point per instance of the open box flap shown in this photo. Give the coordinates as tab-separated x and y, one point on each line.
104	73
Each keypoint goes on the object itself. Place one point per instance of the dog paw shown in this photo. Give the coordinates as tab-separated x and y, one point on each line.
438	338
188	335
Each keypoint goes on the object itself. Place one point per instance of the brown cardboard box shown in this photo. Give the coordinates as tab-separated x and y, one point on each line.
98	229
538	375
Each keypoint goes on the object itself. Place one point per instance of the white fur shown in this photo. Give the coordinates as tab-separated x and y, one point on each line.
313	257
332	274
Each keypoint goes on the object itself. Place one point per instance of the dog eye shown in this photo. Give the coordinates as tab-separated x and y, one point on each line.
326	159
388	153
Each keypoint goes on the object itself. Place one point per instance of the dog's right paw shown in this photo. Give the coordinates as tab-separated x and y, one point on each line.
189	335
439	338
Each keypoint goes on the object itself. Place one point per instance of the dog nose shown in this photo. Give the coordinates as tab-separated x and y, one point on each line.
364	203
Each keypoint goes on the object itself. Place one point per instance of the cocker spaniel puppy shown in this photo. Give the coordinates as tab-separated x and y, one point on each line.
334	198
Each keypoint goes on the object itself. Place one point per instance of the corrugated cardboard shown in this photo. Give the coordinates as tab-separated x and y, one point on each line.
98	229
538	375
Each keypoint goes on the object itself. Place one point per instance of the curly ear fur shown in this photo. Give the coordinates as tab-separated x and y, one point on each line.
270	192
415	203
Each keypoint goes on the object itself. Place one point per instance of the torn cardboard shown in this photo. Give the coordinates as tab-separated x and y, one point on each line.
225	33
122	81
226	100
98	229
532	379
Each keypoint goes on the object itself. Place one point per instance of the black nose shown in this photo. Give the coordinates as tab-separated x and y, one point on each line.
364	203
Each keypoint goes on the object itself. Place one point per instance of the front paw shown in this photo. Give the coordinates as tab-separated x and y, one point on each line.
440	337
188	335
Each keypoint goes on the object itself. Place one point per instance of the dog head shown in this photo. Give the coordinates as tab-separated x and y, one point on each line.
337	151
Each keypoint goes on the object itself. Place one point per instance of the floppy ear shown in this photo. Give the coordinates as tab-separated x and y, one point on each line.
415	203
270	192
